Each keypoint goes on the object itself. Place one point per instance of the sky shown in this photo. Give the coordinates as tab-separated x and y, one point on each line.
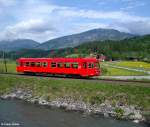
42	20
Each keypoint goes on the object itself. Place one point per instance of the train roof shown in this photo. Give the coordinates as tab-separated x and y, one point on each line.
59	59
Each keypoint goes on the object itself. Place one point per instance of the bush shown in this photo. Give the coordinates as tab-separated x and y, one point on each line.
119	113
104	70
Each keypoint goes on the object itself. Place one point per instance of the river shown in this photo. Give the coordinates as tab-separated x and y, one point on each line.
22	114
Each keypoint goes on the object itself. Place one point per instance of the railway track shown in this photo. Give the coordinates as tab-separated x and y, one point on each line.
105	80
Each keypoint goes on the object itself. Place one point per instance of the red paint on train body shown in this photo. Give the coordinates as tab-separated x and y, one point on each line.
84	67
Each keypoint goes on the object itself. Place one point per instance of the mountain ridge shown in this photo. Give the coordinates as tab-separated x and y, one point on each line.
80	38
17	44
65	41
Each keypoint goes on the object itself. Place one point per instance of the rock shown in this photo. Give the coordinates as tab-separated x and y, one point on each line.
137	115
136	121
106	114
42	102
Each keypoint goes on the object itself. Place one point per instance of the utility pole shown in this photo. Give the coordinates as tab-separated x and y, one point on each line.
4	60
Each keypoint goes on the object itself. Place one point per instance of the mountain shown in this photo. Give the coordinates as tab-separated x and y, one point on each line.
127	49
12	45
77	39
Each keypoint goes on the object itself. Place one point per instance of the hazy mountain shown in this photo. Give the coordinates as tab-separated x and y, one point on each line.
12	45
77	39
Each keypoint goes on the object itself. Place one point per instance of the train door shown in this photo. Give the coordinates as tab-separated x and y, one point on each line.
90	68
85	71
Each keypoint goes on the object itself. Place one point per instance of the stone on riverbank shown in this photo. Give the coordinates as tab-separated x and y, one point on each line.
68	103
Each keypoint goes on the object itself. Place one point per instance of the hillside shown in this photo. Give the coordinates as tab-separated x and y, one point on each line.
137	47
12	45
77	39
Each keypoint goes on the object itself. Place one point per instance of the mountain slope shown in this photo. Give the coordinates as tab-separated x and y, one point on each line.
77	39
137	47
12	45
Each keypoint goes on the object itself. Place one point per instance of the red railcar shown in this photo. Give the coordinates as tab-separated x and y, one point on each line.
84	67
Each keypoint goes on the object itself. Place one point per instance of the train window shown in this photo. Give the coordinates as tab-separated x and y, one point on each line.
74	65
44	64
91	65
27	64
21	63
67	65
53	64
84	65
60	65
38	64
32	64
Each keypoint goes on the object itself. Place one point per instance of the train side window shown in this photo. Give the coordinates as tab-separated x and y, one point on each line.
38	64
60	65
32	64
27	64
21	63
44	64
67	65
84	65
74	65
91	65
53	65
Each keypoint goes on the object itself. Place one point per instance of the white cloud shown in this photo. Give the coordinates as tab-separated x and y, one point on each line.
139	27
34	29
40	20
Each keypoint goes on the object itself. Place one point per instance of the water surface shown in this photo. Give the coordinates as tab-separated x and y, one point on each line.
30	115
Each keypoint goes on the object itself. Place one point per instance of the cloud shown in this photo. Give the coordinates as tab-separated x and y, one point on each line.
41	20
91	14
139	27
131	4
34	29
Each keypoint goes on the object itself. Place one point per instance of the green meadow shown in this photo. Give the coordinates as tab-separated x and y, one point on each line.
89	91
113	71
133	64
11	66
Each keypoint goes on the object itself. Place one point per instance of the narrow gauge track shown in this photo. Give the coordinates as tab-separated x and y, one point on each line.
114	81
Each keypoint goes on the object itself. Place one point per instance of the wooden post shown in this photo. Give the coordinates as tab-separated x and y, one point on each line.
5	63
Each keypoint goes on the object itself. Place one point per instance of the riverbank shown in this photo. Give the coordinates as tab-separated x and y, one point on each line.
32	115
122	101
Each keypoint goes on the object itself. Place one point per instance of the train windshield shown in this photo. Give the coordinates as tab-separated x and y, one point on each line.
19	63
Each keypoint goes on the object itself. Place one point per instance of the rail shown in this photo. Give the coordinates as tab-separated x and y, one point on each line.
89	79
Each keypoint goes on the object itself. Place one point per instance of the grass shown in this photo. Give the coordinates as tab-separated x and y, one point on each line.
133	64
89	91
111	71
11	66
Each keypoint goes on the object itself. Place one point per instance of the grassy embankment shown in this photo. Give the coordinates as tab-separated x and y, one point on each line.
108	71
89	91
